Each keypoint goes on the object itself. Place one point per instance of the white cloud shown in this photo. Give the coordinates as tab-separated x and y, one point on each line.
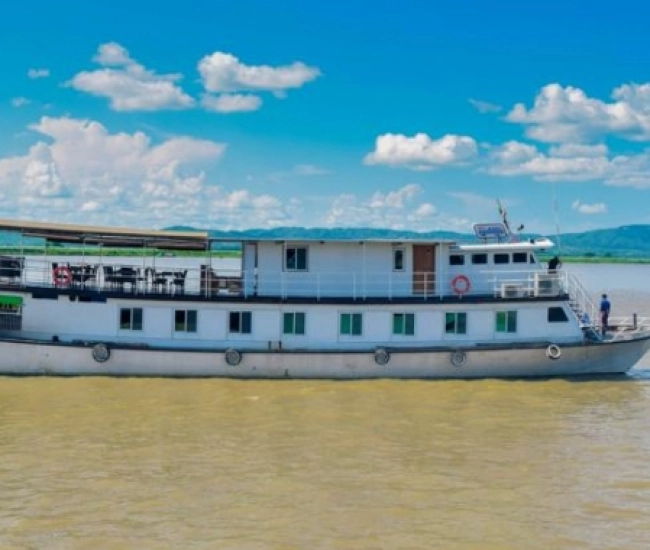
223	72
308	170
231	103
20	101
397	209
570	162
567	114
484	106
395	199
596	208
128	85
80	172
420	152
38	73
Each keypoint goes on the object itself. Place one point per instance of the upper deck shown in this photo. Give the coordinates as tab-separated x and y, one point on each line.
281	269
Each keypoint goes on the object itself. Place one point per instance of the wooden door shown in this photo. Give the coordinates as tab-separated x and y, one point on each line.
423	268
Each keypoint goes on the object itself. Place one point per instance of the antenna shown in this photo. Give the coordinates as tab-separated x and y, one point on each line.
557	218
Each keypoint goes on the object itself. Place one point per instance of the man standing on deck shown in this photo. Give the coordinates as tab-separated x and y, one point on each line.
605	307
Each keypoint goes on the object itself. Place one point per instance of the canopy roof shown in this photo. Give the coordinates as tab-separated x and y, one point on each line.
109	236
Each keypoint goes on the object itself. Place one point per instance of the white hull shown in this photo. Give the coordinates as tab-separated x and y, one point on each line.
49	358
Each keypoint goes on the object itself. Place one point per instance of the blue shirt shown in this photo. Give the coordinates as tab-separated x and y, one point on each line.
605	306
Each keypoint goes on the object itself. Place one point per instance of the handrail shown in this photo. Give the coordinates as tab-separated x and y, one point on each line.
154	275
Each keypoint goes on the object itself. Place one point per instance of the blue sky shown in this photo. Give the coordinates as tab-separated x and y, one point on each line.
410	114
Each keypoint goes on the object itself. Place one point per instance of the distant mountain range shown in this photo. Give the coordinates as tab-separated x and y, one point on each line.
629	241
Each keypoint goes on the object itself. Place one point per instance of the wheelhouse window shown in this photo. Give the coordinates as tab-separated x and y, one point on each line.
502	258
240	322
479	258
295	258
131	318
456	259
520	257
398	259
456	322
350	324
506	321
404	324
557	315
293	322
185	320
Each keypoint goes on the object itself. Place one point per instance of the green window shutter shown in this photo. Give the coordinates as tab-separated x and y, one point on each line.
410	324
300	323
356	324
462	323
287	324
345	323
398	323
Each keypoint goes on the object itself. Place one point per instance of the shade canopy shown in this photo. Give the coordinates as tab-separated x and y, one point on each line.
109	236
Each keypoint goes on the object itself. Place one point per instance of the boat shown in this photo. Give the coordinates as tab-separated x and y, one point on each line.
297	308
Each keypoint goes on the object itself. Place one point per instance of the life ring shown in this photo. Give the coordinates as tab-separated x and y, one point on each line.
461	284
553	352
62	276
458	358
382	356
233	357
101	353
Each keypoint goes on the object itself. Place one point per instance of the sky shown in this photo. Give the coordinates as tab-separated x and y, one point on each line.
415	114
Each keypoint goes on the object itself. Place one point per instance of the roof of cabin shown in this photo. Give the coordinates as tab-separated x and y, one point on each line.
111	236
201	240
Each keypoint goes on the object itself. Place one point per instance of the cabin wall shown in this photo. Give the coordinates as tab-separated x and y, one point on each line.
100	321
334	269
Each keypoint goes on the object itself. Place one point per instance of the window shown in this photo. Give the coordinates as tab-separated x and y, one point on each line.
185	320
295	258
350	324
520	257
479	258
240	322
506	321
456	259
502	258
404	323
131	318
398	259
456	323
557	315
294	323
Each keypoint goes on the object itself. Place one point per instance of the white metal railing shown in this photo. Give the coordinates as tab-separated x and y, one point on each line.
201	277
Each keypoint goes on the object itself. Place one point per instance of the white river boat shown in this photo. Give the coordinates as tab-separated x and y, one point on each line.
295	308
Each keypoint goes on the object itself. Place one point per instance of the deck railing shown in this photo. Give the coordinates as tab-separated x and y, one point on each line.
196	277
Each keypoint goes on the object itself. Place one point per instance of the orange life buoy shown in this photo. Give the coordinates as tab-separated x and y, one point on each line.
461	285
62	276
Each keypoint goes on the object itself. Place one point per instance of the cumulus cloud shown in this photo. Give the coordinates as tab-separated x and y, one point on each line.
128	85
420	152
224	73
484	106
78	171
231	103
38	73
397	209
570	162
567	114
595	208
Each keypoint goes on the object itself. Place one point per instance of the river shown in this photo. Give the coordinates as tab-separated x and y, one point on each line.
95	463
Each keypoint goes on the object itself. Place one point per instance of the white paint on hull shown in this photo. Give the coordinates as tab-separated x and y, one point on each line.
37	358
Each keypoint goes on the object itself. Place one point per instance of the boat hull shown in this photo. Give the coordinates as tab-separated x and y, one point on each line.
29	357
